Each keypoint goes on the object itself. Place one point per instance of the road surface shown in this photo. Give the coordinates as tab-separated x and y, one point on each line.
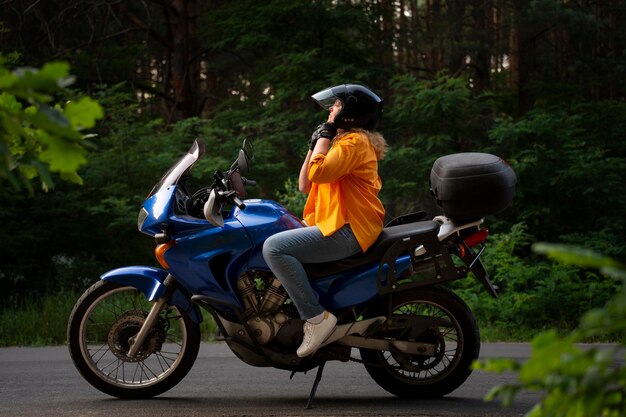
44	382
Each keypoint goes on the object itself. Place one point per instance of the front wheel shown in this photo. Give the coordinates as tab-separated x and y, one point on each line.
451	328
100	332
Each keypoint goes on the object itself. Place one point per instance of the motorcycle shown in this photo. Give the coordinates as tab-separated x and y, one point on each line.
136	332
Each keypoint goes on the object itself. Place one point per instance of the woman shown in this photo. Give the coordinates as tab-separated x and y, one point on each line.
343	212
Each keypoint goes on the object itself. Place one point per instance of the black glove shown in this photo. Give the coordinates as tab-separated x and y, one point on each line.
324	130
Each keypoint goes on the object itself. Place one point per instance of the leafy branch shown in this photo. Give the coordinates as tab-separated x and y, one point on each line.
576	382
39	135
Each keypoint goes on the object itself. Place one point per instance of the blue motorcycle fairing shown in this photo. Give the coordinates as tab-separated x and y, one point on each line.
156	208
262	219
210	261
149	281
157	214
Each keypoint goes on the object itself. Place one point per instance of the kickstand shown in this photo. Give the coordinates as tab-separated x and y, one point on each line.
318	378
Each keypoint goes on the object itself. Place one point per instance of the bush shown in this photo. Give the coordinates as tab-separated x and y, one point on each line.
575	382
534	294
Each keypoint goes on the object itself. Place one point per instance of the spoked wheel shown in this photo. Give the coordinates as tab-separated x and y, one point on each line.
434	316
101	331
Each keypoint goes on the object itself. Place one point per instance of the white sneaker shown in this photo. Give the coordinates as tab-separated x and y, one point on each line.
316	334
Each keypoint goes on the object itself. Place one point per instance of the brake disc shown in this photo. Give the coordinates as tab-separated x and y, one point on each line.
126	327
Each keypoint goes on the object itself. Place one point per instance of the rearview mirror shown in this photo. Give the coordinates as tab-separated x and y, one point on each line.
242	162
244	158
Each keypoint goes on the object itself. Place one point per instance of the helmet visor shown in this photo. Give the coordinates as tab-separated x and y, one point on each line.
327	97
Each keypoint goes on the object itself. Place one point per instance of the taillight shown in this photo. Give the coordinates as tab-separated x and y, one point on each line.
478	237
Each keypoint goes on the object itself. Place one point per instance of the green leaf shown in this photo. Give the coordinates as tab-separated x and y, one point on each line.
574	255
83	114
505	392
62	155
7	79
44	174
49	78
616	272
548	349
55	70
54	122
9	102
72	177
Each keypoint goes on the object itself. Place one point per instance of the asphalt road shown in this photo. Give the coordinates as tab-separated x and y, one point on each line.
44	382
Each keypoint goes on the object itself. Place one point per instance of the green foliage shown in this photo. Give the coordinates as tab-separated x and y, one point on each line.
255	65
73	230
533	294
292	198
576	382
581	69
428	119
443	112
569	167
273	61
37	135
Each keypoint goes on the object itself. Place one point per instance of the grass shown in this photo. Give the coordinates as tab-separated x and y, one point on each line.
43	322
36	322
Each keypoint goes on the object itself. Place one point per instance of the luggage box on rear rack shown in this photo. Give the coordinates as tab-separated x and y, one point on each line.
469	186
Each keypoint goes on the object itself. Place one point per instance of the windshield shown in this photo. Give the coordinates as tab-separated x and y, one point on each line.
182	166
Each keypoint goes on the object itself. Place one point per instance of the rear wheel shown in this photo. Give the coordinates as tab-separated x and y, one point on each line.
100	333
451	329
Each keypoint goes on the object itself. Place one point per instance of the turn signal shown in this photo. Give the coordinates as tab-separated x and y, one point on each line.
159	253
461	249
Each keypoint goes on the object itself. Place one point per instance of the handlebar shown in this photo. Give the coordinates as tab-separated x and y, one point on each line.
248	183
225	192
236	201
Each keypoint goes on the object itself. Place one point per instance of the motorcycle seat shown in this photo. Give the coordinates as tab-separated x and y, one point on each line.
387	237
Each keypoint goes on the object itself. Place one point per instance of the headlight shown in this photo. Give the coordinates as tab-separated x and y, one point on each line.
143	215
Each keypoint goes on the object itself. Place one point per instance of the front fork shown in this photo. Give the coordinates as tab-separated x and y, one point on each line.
138	340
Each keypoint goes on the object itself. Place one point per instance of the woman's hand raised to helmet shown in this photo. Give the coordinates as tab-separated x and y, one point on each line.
328	130
324	130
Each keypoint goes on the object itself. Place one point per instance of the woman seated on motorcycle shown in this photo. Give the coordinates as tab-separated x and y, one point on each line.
343	211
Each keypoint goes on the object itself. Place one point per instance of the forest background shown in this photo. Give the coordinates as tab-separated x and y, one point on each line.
541	83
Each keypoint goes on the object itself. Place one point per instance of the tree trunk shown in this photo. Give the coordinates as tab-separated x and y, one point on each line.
433	53
184	69
522	50
484	34
456	52
415	60
385	8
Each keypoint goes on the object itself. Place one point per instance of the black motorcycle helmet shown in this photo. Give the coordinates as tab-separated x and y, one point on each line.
361	107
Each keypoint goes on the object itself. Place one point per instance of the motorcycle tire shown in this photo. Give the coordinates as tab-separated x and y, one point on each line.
100	328
456	339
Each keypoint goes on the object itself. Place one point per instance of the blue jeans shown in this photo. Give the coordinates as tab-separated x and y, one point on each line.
285	252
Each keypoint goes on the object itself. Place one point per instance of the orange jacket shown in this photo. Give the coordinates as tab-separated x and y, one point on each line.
344	189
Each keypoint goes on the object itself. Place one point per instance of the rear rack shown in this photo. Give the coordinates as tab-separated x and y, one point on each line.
431	262
436	256
447	229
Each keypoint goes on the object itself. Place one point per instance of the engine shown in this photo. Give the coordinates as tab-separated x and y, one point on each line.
264	299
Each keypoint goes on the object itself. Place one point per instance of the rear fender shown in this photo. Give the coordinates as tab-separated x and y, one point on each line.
149	281
481	275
